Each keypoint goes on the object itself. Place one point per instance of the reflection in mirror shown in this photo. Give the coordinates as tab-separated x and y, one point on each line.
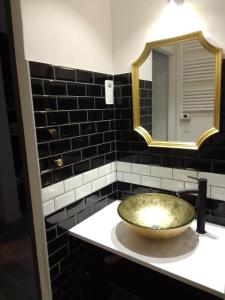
178	91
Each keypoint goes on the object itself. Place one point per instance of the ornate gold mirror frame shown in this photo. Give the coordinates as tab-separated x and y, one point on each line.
136	97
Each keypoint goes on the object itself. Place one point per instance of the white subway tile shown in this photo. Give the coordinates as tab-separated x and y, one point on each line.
131	178
119	176
194	186
161	172
110	178
172	185
98	184
123	166
182	175
151	181
52	191
106	169
64	200
90	175
113	166
140	169
73	182
83	191
213	179
218	193
48	207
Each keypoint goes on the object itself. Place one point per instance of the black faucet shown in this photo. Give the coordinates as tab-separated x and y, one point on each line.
201	202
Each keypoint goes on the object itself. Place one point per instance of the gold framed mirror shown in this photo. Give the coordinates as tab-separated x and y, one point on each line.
176	86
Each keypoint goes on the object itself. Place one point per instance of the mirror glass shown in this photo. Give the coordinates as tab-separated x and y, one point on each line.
178	84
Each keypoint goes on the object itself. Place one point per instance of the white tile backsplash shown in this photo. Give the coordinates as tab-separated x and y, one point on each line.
86	183
48	207
73	182
90	175
183	175
83	191
213	179
131	178
162	172
150	181
172	185
98	184
218	193
52	191
110	178
104	170
140	169
64	200
123	166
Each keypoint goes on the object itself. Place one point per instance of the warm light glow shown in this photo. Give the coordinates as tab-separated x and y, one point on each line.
153	216
176	20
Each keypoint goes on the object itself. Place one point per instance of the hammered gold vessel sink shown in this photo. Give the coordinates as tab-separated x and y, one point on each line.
156	216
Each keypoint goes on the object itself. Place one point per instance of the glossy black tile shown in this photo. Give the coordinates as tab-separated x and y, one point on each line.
58	255
44	164
105	148
46	179
81	167
43	150
99	205
71	157
108	114
87	128
109	136
85	103
80	142
84	214
84	76
76	89
55	88
102	126
57	118
61	174
41	70
75	208
37	87
78	116
47	134
69	130
99	78
57	243
40	119
94	115
54	271
44	103
96	139
94	90
60	146
62	73
100	104
69	103
89	152
97	162
122	79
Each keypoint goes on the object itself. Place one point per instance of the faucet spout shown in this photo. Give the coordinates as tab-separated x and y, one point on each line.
201	194
201	204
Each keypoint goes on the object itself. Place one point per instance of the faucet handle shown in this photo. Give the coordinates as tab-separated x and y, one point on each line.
192	177
198	179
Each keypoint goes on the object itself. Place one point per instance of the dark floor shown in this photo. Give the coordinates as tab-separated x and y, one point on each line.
17	280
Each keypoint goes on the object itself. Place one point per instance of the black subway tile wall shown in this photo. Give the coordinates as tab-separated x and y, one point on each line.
73	123
145	87
131	147
69	257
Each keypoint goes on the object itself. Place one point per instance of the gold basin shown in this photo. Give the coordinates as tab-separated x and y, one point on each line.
156	216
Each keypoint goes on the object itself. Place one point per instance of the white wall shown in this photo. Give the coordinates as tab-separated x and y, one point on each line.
72	33
136	22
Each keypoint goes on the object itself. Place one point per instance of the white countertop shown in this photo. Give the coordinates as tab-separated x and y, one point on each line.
195	259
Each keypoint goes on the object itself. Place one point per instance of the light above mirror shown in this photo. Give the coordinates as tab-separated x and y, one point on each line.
176	91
